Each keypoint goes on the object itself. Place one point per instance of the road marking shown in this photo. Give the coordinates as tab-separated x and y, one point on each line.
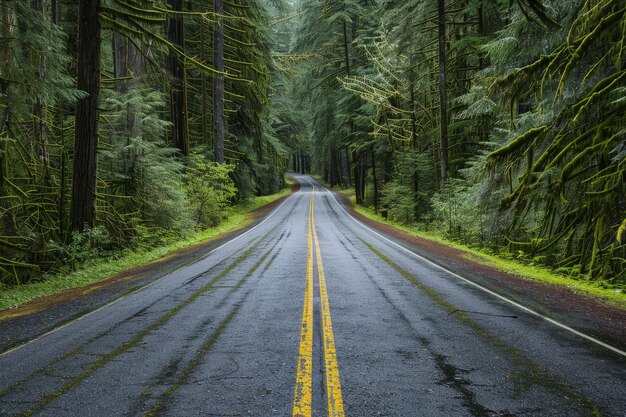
304	376
484	289
333	383
56	329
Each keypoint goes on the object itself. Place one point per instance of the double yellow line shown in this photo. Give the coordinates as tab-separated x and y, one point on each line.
304	376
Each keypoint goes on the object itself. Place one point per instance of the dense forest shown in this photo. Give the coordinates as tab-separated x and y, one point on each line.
128	123
497	123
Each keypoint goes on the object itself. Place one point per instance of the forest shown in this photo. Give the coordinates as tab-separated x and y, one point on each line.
500	124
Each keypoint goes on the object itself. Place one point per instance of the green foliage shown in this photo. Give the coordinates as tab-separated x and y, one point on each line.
93	244
142	179
147	193
564	173
457	212
536	137
210	190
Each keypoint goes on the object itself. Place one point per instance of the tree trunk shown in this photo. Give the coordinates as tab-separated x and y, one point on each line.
345	48
4	166
374	181
333	167
358	183
218	84
83	211
5	59
178	94
345	168
59	116
120	62
56	12
443	150
39	105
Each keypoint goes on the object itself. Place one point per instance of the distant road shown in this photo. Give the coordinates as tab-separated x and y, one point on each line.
312	314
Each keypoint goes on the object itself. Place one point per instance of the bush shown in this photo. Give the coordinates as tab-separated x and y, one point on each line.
210	190
456	211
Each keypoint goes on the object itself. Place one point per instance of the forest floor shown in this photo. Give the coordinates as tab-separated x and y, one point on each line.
603	311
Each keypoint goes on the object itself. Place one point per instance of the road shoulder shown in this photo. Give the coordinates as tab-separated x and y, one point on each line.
582	312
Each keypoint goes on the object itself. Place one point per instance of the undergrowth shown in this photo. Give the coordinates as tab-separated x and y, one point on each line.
608	292
100	264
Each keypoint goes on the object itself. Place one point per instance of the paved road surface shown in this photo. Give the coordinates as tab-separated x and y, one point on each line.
310	313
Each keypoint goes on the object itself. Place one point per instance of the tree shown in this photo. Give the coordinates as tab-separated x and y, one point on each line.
443	99
176	69
218	84
83	210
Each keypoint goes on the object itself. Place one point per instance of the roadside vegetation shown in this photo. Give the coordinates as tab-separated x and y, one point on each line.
515	264
103	265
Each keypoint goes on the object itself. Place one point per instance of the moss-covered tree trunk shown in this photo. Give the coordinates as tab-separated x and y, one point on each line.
443	107
83	210
218	86
176	69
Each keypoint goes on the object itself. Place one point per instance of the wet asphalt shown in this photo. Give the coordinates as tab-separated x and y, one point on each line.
221	337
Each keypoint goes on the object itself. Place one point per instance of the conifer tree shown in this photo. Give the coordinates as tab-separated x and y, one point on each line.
83	210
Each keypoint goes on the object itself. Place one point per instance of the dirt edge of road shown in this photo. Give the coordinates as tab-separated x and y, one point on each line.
605	322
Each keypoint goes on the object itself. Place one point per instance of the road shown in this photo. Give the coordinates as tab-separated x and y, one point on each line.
311	313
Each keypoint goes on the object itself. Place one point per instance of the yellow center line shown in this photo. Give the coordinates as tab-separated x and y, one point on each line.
304	376
333	383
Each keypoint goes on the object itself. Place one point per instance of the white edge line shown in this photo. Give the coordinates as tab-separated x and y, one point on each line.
56	329
488	291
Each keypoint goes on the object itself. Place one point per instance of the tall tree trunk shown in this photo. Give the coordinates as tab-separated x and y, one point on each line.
205	95
218	86
441	12
178	94
374	180
345	167
58	116
83	211
346	50
413	115
4	166
120	62
56	12
5	59
333	167
39	105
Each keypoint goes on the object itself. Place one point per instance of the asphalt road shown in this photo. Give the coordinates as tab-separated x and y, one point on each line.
311	313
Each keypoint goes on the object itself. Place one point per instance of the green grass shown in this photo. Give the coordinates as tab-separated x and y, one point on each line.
612	296
101	269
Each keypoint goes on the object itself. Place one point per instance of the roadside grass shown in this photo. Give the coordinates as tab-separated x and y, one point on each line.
101	269
604	293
